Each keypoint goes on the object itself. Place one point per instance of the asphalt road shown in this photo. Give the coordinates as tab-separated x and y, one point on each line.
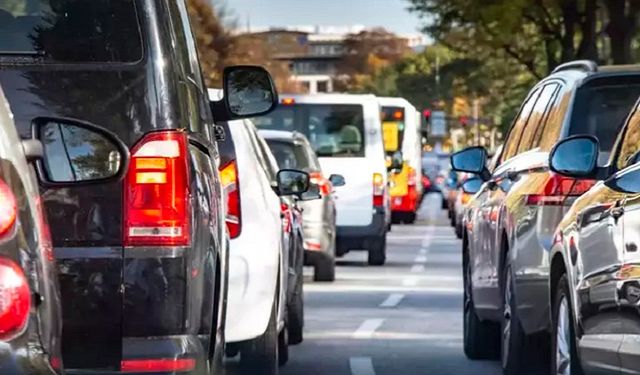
403	318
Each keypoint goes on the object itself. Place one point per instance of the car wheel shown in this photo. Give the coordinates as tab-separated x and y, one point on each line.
481	339
459	231
260	355
378	251
444	205
410	218
513	336
295	313
564	354
325	269
283	345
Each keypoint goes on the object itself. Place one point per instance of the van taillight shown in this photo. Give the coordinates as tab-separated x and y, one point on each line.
558	189
287	217
378	189
15	299
323	184
8	208
411	180
230	183
156	198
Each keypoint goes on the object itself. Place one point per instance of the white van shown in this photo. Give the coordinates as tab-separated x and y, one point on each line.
346	133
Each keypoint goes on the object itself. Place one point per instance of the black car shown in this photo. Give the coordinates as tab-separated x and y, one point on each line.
141	262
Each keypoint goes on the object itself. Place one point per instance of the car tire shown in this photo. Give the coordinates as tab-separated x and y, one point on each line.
562	315
295	314
260	355
481	339
325	269
378	251
283	345
459	231
514	348
444	205
410	218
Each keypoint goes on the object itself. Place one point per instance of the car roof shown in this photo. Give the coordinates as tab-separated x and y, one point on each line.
393	101
283	135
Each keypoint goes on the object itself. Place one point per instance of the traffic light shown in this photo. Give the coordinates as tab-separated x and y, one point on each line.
464	121
427	115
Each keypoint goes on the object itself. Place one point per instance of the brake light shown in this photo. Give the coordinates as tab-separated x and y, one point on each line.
156	198
230	183
288	101
557	189
286	217
15	299
323	184
158	365
378	189
8	208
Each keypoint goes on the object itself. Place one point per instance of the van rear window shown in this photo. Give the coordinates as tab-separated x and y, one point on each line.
334	130
73	31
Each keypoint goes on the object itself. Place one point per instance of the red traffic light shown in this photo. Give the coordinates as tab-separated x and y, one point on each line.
427	114
464	120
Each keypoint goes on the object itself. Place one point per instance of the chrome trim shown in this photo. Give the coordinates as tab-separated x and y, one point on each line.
87	252
154	252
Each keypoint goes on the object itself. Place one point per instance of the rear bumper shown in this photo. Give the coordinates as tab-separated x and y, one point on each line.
359	237
407	203
18	364
180	347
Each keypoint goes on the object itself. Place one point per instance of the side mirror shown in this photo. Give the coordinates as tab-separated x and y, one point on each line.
337	180
76	153
470	160
472	185
575	156
627	181
249	91
292	182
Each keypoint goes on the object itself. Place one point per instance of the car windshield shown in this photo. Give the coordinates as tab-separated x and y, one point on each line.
70	30
601	111
288	155
334	130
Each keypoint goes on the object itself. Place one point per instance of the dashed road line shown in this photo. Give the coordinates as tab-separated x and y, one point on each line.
417	268
361	366
420	259
393	300
367	329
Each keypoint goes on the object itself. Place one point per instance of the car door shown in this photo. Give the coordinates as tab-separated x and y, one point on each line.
488	295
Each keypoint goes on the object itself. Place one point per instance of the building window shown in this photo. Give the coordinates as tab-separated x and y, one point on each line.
323	86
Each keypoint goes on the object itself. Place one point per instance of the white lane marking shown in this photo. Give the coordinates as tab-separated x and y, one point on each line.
361	366
422	258
393	300
417	268
410	281
367	329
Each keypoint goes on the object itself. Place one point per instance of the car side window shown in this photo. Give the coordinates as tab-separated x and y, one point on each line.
553	124
631	141
536	119
511	145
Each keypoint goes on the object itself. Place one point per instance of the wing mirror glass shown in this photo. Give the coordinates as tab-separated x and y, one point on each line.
469	160
249	91
292	182
337	180
627	181
79	153
472	185
575	156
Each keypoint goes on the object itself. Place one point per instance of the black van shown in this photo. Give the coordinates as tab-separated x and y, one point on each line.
141	261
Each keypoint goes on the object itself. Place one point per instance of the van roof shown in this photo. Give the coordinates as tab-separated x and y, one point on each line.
330	98
394	101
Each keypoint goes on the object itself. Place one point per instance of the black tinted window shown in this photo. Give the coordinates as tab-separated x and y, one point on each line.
71	30
334	130
601	111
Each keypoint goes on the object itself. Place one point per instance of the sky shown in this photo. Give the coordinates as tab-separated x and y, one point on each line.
391	14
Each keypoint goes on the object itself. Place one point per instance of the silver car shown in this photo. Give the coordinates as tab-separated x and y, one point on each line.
510	228
292	150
